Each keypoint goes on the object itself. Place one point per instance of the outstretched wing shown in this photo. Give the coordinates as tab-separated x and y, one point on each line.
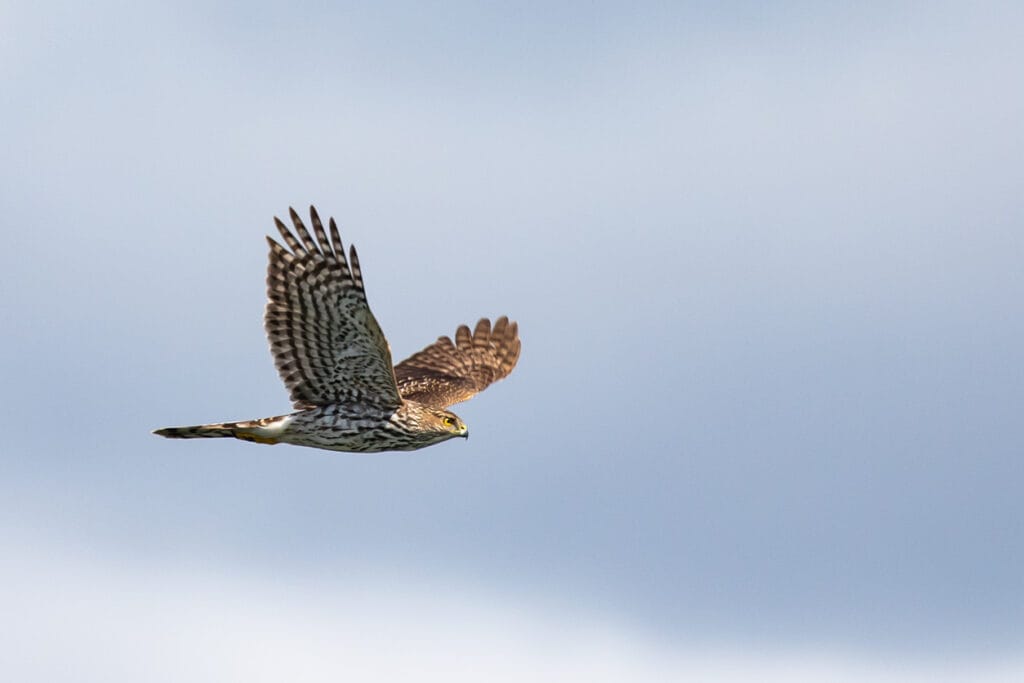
327	346
445	372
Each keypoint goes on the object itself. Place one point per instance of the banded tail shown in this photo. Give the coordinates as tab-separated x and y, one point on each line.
266	430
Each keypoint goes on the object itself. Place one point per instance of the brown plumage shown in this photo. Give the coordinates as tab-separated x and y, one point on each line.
335	361
446	373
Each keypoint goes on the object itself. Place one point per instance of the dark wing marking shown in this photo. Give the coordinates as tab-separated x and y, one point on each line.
445	372
327	346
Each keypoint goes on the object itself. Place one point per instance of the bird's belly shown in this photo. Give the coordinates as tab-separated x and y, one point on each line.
340	428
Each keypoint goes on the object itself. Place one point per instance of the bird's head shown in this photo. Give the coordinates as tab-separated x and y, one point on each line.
448	423
425	425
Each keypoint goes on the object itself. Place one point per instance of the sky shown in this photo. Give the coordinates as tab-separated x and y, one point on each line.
766	263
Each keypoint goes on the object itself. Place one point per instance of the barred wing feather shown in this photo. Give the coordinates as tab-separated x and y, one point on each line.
327	346
448	372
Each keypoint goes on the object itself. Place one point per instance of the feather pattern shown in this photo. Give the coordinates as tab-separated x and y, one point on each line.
326	343
448	372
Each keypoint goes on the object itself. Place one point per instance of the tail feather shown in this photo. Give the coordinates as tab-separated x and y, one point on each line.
267	430
212	431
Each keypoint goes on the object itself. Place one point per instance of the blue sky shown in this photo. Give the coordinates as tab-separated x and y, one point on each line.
767	267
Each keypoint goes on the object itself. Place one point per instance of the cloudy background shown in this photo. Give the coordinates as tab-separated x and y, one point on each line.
767	264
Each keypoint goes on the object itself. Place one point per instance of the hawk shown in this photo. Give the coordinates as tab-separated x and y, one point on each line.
334	360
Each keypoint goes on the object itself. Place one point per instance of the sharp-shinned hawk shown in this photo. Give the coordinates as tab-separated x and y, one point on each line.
336	363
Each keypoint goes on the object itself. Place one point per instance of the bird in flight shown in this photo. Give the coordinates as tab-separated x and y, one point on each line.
331	354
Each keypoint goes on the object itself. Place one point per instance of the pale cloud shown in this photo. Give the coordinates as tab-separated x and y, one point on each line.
72	617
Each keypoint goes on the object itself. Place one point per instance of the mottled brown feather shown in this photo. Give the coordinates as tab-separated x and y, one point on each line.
448	372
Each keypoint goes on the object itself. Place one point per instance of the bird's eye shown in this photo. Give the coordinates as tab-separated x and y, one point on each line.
448	422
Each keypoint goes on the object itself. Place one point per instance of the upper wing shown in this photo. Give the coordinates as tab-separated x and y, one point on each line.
445	373
327	346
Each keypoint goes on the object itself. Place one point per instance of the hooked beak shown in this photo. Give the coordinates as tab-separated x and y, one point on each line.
464	432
